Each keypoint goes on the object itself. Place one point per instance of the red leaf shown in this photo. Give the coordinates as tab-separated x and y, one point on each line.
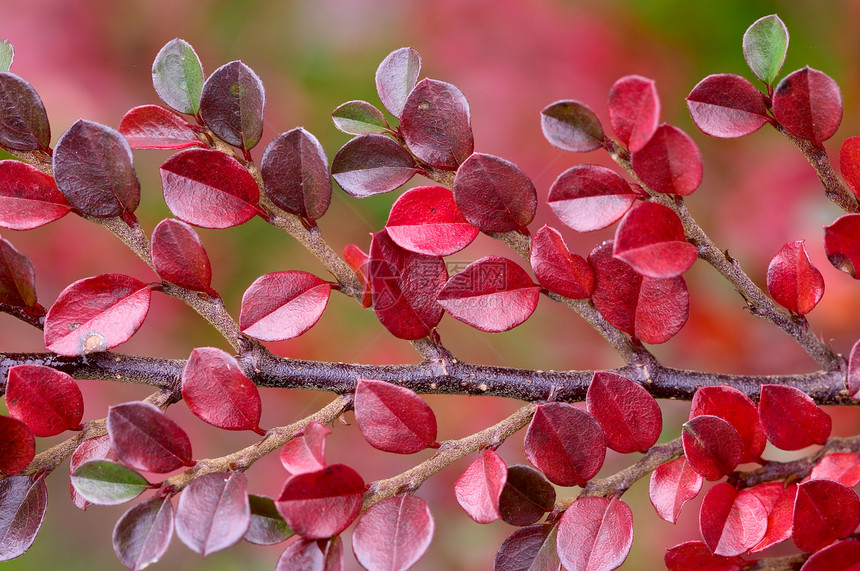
696	555
209	189
672	485
526	497
634	110
808	103
143	533
731	521
652	310
312	555
154	127
779	518
565	443
712	446
213	512
17	446
372	164
494	194
218	392
595	534
395	78
426	220
17	278
306	453
824	511
737	409
283	305
651	239
842	244
492	294
849	163
392	418
527	549
358	261
46	400
144	438
97	448
571	126
840	556
96	314
629	415
28	197
842	467
231	104
478	488
590	197
24	126
670	162
435	124
393	534
295	174
853	373
726	105
793	281
556	268
791	419
23	502
318	505
179	257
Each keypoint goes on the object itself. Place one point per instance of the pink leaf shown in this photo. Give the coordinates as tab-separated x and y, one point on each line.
840	556
737	409
478	488
670	162
556	268
791	419
726	105
17	446
436	126
712	446
372	164
595	534
154	127
672	485
651	239
145	439
392	418
395	78
842	244
634	110
306	453
571	126
629	415
46	400
393	534
824	511
28	197
696	555
283	305
808	103
143	533
731	521
179	257
590	197
295	174
793	281
426	220
779	518
849	163
312	555
213	512
842	467
23	502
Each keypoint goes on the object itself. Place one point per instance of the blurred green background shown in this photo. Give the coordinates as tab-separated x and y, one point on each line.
92	59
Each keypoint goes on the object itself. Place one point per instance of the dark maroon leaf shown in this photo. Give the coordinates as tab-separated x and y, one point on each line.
529	549
178	76
726	105
793	281
23	502
595	534
23	121
565	443
849	163
96	314
479	487
634	110
146	439
808	103
842	244
731	521
650	309
295	174
791	419
213	512
824	511
737	409
392	418
218	392
372	164
17	446
779	518
231	104
435	124
179	257
306	453
17	277
283	305
629	415
696	555
395	78
526	497
97	448
143	533
360	118
209	189
393	534
318	505
651	239
492	294
267	526
853	373
93	169
556	268
670	162
571	126
154	127
712	446
494	194
672	485
28	197
48	401
842	467
426	220
590	197
840	556
312	555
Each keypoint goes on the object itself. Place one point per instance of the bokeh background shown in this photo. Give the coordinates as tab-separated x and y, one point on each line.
92	59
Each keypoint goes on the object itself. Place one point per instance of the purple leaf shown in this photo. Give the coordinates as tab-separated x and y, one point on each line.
295	174
372	164
267	526
360	118
393	534
23	121
526	497
435	124
571	126
213	512
529	548
17	278
395	78
146	439
23	502
231	104
143	533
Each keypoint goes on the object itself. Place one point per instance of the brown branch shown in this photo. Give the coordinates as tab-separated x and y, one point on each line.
620	482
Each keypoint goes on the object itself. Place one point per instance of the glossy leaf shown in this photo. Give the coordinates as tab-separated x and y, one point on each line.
144	438
765	45
178	76
96	314
143	533
494	194
842	467
779	518
731	521
492	294
392	418
629	415
733	406
793	281
712	446
849	163
179	256
218	392
697	555
393	534
479	487
590	197
571	126
372	164
651	239
529	548
634	110
283	305
295	174
840	556
791	419
23	120
306	453
360	118
7	55
426	220
824	511
231	104
526	497
595	534
395	78
209	189
842	244
565	443
267	526
312	555
435	124
672	485
107	483
213	512
808	103
17	446
48	401
17	277
23	502
28	197
670	162
97	448
726	105
93	169
556	268
154	127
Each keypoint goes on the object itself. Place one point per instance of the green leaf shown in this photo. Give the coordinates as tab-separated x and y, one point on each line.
765	46
267	525
359	118
7	54
178	76
107	483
